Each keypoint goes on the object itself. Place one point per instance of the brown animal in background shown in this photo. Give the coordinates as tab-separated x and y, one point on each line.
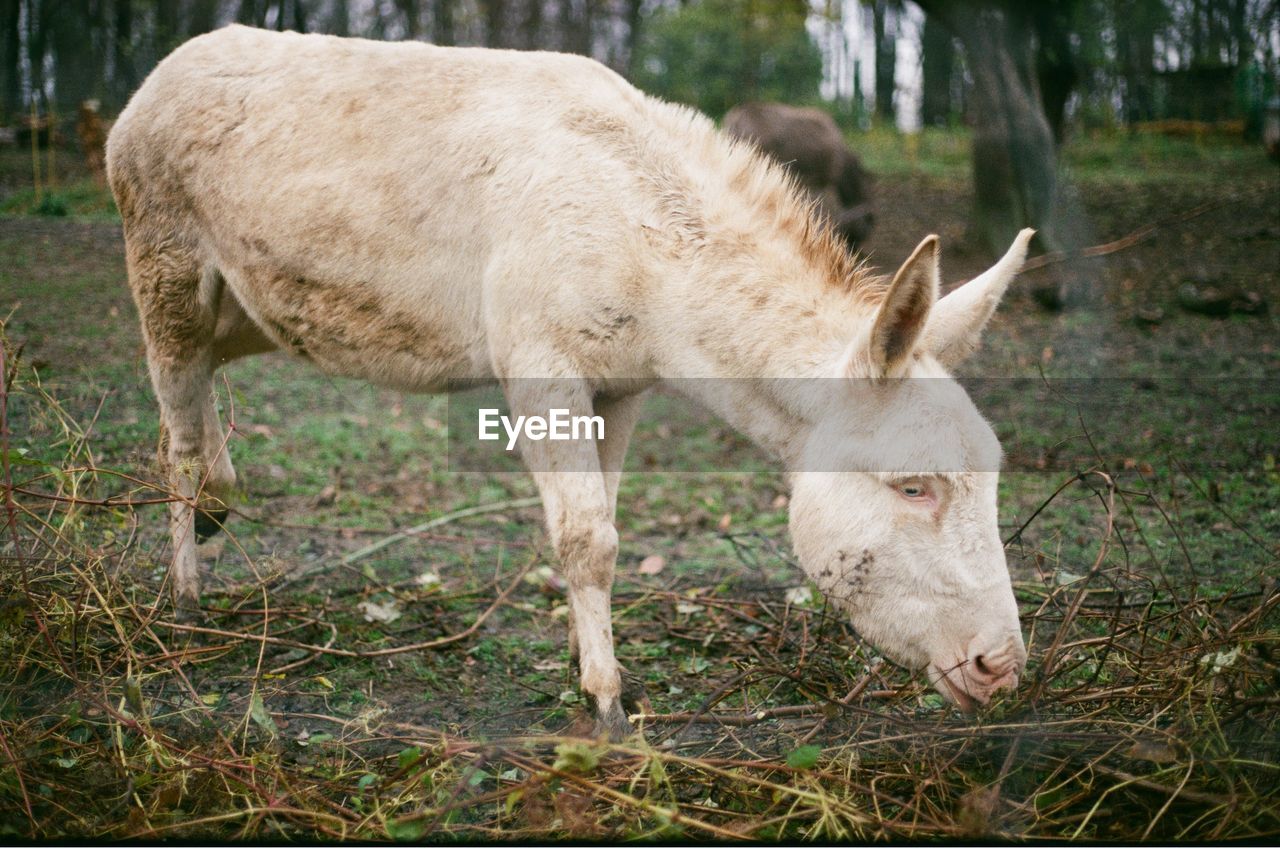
812	147
93	140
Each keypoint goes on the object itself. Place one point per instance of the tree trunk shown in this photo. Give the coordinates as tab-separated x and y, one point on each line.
1242	41
1135	54
583	32
124	77
340	19
252	12
634	24
531	27
1014	167
204	17
37	42
495	13
1055	61
412	18
1197	32
166	29
886	38
938	55
10	60
442	24
564	25
73	68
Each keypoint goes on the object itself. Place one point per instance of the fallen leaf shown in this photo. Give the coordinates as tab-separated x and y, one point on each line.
978	809
550	665
1220	660
1151	750
546	579
258	713
327	496
576	757
800	596
805	757
725	521
374	612
653	564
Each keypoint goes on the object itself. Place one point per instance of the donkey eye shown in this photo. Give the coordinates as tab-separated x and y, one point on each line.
913	489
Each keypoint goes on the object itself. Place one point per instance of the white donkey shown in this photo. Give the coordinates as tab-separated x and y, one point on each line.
420	216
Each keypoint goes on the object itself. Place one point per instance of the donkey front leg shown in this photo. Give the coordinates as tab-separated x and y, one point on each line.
579	519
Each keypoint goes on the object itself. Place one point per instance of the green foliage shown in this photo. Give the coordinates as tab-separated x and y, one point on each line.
804	757
718	53
54	206
577	757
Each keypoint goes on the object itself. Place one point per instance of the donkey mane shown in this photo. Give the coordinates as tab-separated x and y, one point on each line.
764	200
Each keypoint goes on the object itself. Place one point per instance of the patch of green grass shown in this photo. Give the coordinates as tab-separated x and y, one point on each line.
1092	157
83	198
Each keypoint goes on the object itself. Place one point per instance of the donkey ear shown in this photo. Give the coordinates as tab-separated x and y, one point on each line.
955	327
905	312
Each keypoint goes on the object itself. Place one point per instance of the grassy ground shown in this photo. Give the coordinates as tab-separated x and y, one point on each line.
1141	507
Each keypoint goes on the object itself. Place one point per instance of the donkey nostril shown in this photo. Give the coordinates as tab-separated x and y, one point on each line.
979	663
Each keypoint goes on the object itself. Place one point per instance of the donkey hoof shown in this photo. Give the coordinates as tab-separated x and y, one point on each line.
186	609
612	724
208	523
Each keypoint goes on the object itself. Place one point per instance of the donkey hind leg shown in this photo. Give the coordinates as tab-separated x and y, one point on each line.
575	501
178	303
620	416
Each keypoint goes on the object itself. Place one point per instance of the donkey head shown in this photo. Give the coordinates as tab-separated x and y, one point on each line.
893	512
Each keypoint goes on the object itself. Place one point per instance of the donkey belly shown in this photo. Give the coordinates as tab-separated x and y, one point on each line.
354	329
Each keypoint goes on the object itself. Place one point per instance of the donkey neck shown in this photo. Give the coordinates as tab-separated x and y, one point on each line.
753	340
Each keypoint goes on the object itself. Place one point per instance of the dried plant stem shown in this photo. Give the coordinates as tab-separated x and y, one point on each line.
294	644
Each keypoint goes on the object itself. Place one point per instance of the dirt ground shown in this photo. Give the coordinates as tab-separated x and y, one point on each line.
329	466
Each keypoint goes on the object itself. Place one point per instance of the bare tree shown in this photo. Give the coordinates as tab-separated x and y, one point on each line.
167	33
412	17
252	12
1136	24
124	78
203	17
1056	71
885	27
495	14
938	57
76	59
37	36
634	24
10	58
1014	160
339	18
444	22
531	25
